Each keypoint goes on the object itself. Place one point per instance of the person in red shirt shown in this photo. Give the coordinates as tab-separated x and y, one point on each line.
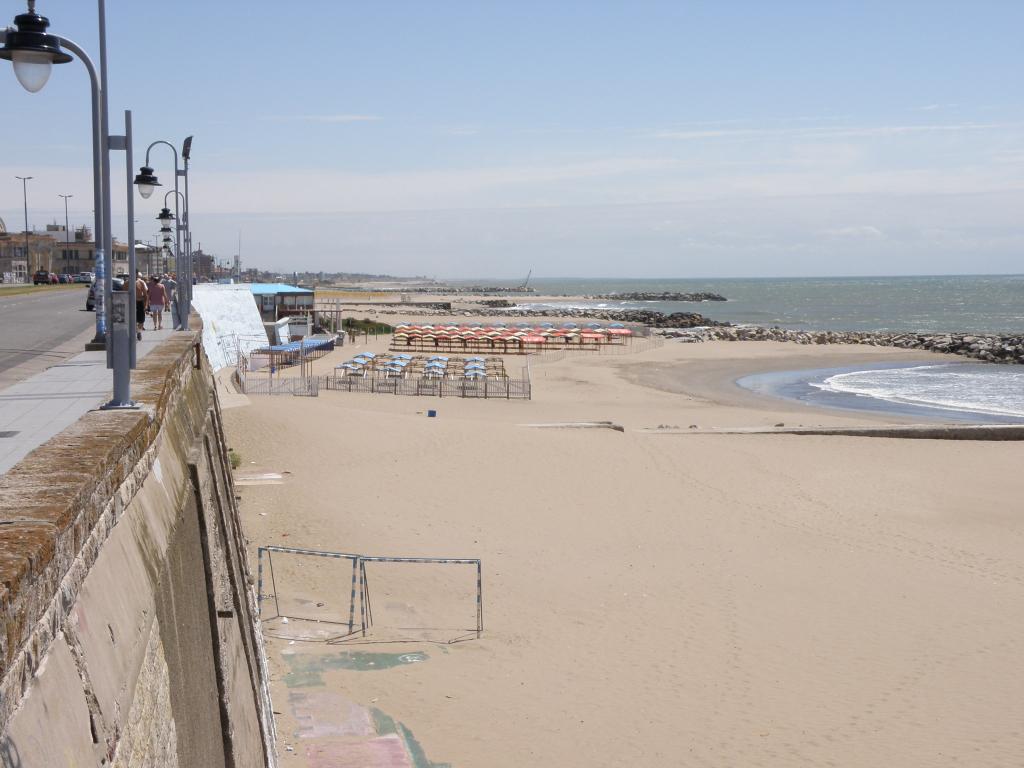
157	299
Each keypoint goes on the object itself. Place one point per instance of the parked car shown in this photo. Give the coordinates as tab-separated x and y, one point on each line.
84	277
66	278
41	277
90	301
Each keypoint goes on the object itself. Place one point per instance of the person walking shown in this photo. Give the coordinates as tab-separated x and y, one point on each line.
157	299
141	302
171	286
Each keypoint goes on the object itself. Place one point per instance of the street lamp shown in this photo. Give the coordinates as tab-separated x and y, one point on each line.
33	51
146	181
67	229
24	197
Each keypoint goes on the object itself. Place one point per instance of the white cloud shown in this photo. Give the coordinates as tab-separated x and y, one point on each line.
826	132
461	130
324	118
861	231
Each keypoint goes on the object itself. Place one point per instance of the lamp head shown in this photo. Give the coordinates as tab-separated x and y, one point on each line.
165	217
32	50
146	181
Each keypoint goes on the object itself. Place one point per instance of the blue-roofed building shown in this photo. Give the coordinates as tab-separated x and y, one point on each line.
277	300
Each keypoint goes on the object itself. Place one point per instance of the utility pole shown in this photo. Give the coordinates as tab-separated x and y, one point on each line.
67	229
24	195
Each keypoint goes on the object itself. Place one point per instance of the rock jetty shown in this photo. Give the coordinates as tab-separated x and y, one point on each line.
668	296
991	348
635	316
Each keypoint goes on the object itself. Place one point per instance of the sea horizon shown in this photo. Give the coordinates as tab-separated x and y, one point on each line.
912	303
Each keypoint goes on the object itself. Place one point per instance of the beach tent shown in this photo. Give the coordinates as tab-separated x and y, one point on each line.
569	325
533	339
474	359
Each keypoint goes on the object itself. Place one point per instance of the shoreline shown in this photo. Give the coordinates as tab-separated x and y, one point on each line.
768	591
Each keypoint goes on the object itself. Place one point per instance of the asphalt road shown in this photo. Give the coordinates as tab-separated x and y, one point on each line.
38	329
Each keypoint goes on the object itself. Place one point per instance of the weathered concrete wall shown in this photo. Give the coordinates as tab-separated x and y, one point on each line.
129	631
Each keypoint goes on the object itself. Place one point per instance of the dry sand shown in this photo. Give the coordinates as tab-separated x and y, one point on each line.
650	599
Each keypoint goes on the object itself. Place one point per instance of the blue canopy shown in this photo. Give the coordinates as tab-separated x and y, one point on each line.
474	360
437	357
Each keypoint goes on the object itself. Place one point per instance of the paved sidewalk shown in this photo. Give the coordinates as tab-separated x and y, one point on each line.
34	410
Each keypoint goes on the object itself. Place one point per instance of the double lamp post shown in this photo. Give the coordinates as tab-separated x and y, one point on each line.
33	51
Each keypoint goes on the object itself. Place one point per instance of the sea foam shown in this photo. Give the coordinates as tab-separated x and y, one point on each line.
989	389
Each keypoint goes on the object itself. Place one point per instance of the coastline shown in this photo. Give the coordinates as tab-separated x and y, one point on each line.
733	599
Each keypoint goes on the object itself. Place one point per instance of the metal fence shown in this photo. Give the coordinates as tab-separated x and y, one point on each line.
636	345
502	388
262	384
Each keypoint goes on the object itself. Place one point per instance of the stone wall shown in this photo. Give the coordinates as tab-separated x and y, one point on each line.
129	631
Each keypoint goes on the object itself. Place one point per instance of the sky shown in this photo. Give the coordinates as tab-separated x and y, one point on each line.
599	139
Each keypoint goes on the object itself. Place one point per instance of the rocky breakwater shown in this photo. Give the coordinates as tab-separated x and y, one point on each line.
991	348
664	296
634	316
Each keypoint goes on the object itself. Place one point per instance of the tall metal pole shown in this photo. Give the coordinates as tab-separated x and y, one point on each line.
121	336
67	229
186	152
99	202
177	226
108	252
183	306
24	195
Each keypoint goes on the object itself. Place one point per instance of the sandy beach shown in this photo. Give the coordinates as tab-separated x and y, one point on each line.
650	598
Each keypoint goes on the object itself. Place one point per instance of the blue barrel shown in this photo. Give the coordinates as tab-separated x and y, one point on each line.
431	414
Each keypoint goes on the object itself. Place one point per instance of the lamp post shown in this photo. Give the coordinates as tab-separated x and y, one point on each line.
147	182
67	229
24	197
33	51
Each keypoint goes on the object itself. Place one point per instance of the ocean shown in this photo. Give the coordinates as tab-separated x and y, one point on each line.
963	303
969	303
964	392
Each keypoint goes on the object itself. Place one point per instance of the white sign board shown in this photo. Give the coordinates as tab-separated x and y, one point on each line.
231	322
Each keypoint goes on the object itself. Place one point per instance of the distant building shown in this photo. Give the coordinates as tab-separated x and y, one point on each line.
277	300
52	251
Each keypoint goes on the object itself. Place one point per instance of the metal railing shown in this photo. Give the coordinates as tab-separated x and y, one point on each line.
500	388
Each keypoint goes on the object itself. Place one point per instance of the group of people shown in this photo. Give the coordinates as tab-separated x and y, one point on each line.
158	295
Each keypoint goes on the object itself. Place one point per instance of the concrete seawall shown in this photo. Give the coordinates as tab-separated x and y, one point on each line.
130	635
